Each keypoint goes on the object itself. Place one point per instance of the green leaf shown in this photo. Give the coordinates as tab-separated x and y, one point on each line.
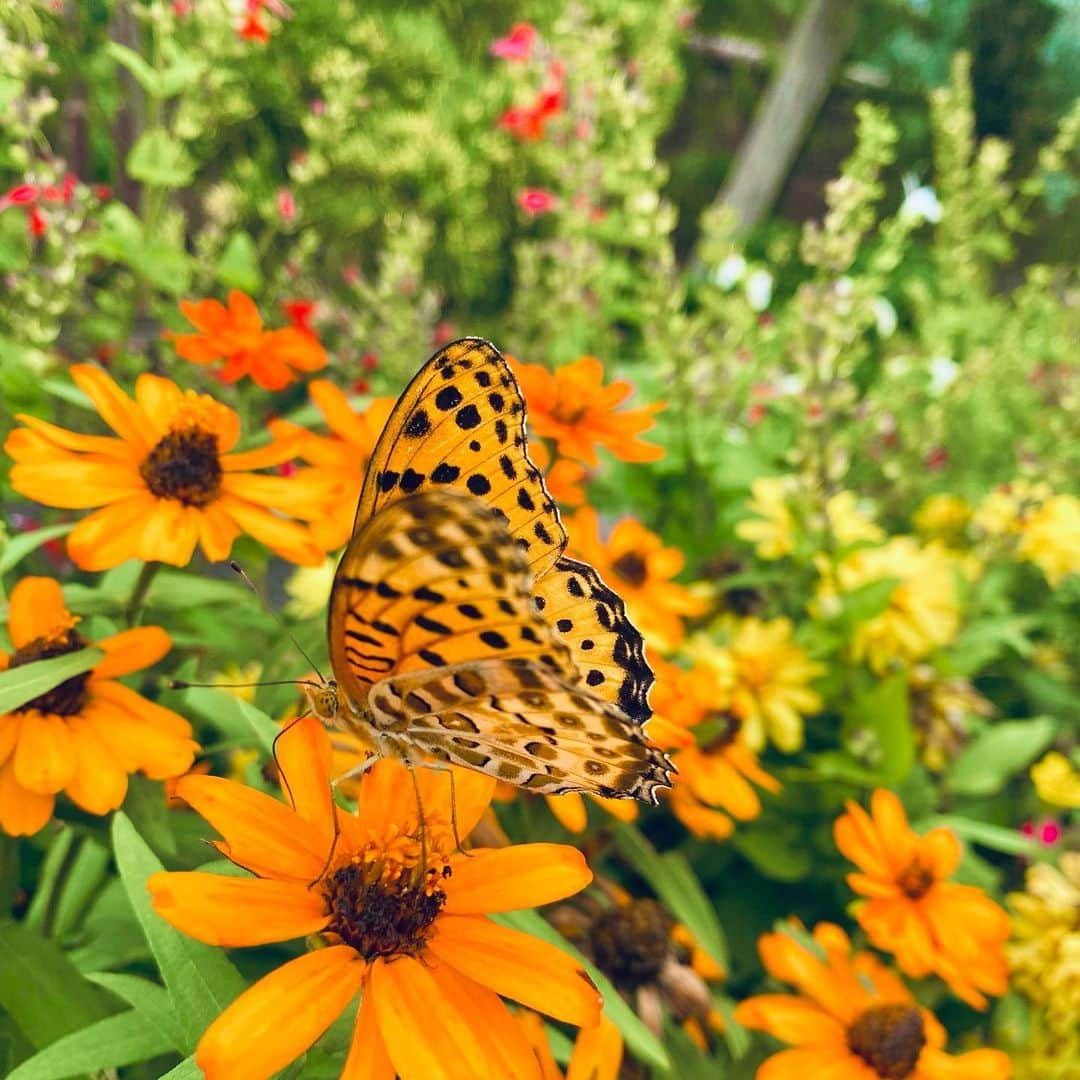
867	601
238	266
735	1035
675	883
148	999
688	1062
28	681
107	1044
235	718
74	868
159	262
176	589
778	850
145	805
17	548
14	243
995	837
200	979
1001	750
880	716
186	1070
140	70
157	158
35	976
642	1042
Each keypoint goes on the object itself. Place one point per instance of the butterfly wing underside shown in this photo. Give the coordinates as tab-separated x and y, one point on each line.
435	635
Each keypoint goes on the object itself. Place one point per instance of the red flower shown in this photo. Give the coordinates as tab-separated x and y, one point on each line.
286	204
536	201
253	29
37	222
300	313
528	122
517	45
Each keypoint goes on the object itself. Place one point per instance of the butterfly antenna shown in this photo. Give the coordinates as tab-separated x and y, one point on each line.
240	572
183	684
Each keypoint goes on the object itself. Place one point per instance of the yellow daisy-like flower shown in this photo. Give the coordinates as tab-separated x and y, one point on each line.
1002	511
308	588
848	524
943	517
923	610
1050	538
1057	781
770	680
402	922
86	735
771	529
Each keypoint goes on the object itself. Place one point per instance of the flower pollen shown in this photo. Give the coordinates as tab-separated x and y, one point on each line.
630	943
381	906
889	1038
184	465
916	879
68	698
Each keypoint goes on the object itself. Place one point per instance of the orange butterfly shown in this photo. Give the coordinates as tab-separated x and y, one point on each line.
458	629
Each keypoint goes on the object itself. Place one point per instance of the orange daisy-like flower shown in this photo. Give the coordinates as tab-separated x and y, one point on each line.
635	562
402	919
930	924
852	1019
563	478
340	458
84	736
573	407
166	484
716	767
235	334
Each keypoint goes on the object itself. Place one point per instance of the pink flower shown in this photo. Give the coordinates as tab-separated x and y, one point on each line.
517	45
1047	831
286	204
536	201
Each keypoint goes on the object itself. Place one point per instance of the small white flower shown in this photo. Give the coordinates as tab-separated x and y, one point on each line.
920	202
759	289
943	373
884	316
729	273
790	384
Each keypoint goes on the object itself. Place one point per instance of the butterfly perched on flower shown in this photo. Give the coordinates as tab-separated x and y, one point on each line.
459	631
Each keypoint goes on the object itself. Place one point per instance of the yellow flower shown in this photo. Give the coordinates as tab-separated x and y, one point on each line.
848	523
1057	781
772	528
770	691
1050	538
309	588
940	707
232	674
1001	512
923	610
943	517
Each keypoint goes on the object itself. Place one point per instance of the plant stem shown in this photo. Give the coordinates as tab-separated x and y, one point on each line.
138	594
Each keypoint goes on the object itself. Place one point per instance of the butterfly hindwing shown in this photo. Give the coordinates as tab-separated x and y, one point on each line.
460	426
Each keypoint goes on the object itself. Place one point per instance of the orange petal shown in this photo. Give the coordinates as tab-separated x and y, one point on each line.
169	533
140	745
279	1018
368	1059
9	733
243	313
217	531
110	536
518	966
597	1053
160	399
304	756
263	457
132	650
818	1063
35	608
790	1019
22	812
260	833
234	911
426	1032
288	539
536	1033
620	809
105	445
44	760
114	406
569	811
522	876
148	712
73	483
99	783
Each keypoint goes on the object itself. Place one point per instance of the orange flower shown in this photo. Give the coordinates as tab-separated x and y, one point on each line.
573	407
235	335
84	736
563	478
636	564
340	458
852	1019
911	910
597	1055
715	766
401	918
166	484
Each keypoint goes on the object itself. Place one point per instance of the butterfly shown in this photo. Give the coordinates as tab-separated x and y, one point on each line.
458	629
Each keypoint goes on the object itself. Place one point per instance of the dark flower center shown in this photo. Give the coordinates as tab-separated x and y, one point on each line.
719	730
631	943
380	908
69	697
889	1038
915	879
184	465
631	568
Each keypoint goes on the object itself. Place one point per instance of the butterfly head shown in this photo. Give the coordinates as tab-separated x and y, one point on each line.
324	700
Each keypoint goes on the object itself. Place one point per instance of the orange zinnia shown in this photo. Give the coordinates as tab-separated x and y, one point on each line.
853	1019
636	564
563	478
402	918
340	458
84	736
573	407
236	335
930	924
166	484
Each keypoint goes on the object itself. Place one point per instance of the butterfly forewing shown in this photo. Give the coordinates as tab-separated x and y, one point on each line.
460	426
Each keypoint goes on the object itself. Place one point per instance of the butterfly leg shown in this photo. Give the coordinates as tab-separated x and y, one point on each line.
355	771
440	766
421	827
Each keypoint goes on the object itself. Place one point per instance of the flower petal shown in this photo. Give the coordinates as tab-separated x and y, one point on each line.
598	1053
148	712
790	1019
569	811
217	531
137	741
276	1020
304	756
820	1063
289	539
368	1059
35	608
44	760
110	536
73	483
105	445
22	812
114	406
169	533
507	879
99	783
518	966
132	650
234	911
